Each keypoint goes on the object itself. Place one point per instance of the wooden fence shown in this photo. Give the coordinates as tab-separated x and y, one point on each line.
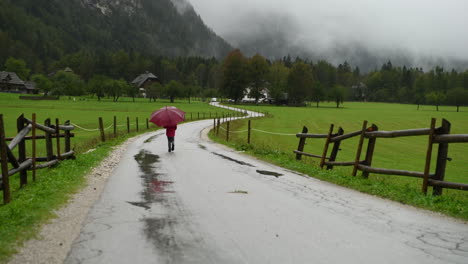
11	164
436	135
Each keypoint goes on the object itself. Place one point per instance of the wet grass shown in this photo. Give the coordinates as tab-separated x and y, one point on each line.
85	112
396	153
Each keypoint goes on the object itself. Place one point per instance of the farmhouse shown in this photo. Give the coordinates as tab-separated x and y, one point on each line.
143	81
11	83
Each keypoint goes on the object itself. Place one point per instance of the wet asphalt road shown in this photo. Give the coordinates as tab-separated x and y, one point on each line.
204	203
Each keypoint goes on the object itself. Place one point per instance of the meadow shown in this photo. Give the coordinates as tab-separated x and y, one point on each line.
85	111
405	153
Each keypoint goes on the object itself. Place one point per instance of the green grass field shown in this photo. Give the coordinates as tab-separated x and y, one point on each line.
85	111
405	153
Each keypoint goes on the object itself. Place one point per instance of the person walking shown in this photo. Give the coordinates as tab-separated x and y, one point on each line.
170	133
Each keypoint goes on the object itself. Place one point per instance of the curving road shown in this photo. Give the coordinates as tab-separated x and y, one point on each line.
205	203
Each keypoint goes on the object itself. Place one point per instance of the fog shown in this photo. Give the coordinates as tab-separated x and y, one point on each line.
360	31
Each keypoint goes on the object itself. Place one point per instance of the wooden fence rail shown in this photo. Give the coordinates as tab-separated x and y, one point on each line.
11	164
440	136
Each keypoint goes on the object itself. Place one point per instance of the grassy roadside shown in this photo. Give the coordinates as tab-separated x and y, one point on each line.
278	150
34	204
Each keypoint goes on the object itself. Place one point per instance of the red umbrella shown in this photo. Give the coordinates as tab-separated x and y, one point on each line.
167	116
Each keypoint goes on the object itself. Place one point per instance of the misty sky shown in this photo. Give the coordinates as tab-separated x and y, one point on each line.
422	27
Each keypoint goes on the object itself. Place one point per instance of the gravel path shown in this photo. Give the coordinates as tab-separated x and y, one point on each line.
56	237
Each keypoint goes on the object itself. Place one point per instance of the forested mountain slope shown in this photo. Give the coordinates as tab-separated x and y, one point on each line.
43	31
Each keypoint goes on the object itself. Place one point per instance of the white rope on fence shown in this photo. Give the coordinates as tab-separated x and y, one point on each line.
97	129
241	131
258	130
85	129
274	133
109	127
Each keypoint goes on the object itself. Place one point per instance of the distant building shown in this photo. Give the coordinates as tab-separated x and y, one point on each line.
11	83
67	69
143	81
359	92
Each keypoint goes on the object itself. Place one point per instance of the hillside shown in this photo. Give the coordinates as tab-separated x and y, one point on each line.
42	31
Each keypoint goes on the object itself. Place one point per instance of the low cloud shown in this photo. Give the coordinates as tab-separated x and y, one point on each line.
415	31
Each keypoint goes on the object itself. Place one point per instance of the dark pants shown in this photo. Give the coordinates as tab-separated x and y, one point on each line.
170	143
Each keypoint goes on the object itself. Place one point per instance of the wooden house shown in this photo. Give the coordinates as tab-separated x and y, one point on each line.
143	81
11	83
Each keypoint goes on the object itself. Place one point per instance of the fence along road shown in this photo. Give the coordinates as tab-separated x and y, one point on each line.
205	203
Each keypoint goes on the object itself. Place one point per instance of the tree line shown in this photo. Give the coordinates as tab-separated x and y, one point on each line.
288	81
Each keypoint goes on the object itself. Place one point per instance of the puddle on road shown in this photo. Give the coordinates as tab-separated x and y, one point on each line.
160	186
150	139
161	231
201	146
141	204
234	160
270	173
239	192
146	160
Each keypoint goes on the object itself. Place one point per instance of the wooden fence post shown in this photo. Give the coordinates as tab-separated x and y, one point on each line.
217	128
115	126
48	141
147	123
248	132
136	119
4	163
301	145
335	149
359	149
227	131
191	116
370	151
214	125
22	151
442	157
33	143
57	135
325	147
427	166
67	137
128	124
101	128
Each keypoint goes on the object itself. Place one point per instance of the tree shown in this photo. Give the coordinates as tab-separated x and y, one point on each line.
318	93
67	83
18	67
154	91
278	78
418	91
97	85
173	89
338	94
258	68
235	75
435	98
300	81
123	87
457	96
132	91
42	83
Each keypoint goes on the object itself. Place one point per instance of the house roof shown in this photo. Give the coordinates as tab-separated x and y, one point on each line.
10	78
30	85
142	78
